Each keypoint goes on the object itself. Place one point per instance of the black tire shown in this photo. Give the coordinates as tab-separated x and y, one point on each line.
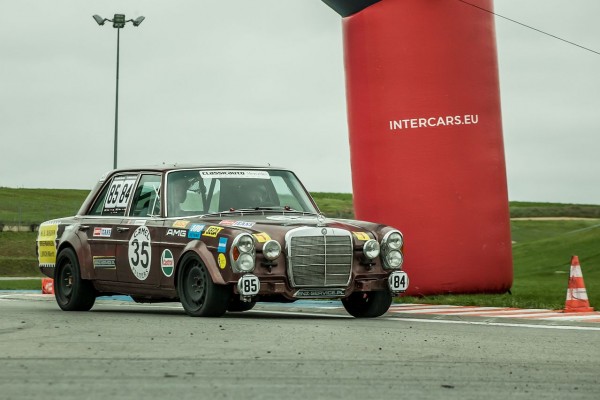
368	304
237	305
71	292
199	295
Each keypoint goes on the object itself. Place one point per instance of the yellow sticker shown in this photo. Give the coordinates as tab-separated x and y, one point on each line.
222	261
262	237
361	235
47	245
212	231
181	223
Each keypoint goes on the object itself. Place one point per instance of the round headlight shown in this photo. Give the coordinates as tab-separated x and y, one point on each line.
371	249
394	259
271	250
394	240
246	244
245	263
242	253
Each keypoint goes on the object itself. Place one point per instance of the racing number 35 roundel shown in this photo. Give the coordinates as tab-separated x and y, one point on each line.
140	254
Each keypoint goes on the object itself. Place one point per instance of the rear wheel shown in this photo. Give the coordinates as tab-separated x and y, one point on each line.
71	292
368	304
198	294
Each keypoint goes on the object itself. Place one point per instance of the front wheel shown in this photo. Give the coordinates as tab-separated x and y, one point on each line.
368	304
71	292
199	295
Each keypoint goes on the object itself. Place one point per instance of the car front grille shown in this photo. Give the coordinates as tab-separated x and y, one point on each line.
319	257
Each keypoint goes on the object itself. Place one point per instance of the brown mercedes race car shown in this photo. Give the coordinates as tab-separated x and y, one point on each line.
217	239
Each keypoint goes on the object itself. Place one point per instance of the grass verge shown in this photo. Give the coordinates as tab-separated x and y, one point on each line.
542	259
21	284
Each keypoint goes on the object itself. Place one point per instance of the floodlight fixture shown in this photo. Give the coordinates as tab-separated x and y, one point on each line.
99	19
138	20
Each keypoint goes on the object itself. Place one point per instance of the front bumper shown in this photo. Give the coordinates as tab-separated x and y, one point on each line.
396	282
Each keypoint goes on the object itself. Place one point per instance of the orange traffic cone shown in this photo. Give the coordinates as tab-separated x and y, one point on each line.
577	299
47	286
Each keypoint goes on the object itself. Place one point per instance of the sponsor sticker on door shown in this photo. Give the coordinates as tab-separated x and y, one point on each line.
167	263
102	232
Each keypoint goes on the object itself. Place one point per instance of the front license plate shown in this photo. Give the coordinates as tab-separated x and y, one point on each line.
248	285
398	281
320	293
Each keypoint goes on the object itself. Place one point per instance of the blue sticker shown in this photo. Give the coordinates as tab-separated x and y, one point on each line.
195	231
222	245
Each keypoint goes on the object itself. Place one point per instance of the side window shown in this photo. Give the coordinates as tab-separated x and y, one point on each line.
185	194
99	204
115	196
146	199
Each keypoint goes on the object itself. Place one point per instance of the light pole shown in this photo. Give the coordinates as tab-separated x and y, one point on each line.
118	22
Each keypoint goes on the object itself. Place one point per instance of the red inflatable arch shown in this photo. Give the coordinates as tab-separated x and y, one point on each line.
426	137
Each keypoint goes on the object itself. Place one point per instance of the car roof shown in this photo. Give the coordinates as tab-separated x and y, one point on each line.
173	167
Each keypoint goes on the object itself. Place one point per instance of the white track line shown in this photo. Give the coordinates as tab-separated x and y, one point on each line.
505	324
532	313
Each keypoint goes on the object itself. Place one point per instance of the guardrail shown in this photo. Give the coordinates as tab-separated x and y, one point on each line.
19	228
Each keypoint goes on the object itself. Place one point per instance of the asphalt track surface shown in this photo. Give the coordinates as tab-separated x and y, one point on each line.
301	351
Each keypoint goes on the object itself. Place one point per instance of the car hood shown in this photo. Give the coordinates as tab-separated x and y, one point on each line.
277	225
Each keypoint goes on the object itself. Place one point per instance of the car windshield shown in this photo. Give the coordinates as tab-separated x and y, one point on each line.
197	192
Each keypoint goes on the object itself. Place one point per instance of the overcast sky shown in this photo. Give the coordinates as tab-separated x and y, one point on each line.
260	82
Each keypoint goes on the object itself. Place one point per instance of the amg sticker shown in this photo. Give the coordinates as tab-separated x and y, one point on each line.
177	232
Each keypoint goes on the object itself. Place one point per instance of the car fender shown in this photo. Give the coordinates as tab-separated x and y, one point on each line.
70	238
207	258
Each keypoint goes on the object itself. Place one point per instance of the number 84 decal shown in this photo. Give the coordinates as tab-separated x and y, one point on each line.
398	281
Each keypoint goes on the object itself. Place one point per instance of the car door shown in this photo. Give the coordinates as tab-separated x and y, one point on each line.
138	232
100	226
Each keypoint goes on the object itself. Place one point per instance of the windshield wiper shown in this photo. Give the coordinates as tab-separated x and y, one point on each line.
269	208
254	209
